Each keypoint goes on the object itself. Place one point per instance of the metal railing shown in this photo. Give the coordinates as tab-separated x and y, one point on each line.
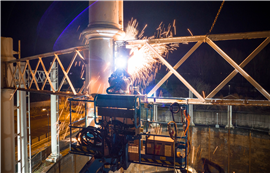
252	121
21	71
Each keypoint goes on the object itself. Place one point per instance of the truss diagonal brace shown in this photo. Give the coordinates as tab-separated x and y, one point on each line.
47	75
238	68
177	65
66	75
176	73
21	74
80	55
49	71
242	65
68	69
33	76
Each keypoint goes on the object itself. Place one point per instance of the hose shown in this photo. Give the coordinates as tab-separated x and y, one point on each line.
175	128
172	111
188	122
90	137
174	137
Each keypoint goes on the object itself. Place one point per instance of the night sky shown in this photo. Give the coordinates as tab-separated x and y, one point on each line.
47	26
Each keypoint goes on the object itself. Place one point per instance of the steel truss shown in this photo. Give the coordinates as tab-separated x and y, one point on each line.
36	76
17	77
209	100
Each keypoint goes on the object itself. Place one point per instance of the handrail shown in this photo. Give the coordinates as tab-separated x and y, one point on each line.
95	99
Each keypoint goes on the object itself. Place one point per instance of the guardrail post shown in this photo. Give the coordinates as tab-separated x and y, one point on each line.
229	117
217	125
190	107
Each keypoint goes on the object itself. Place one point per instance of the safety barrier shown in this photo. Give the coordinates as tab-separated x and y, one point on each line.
39	138
260	122
42	155
69	163
36	159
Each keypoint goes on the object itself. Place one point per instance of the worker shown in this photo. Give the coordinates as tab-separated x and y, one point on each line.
120	82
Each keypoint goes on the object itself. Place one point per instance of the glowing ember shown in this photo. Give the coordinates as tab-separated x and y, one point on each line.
144	64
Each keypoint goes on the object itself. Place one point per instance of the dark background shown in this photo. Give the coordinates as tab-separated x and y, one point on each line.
48	26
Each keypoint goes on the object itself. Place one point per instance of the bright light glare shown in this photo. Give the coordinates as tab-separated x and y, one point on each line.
137	63
143	65
120	62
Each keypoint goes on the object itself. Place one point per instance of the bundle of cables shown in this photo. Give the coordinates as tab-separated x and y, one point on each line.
173	133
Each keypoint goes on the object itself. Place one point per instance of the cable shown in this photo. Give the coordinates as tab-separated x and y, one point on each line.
173	121
188	121
174	111
173	136
216	17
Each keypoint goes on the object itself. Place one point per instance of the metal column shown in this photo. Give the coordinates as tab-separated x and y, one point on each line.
229	117
7	111
155	109
191	109
19	144
104	24
22	134
217	125
54	117
29	132
105	21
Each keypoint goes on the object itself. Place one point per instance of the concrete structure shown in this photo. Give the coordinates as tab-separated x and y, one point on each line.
7	111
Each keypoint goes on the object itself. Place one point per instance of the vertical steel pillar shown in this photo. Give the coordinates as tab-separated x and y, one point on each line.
217	125
23	132
105	21
29	131
19	145
155	109
156	112
190	95
120	14
7	114
229	117
22	137
55	153
103	26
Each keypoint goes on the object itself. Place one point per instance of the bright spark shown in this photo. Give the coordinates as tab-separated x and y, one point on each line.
144	64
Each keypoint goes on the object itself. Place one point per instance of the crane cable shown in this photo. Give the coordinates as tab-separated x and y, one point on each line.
216	18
